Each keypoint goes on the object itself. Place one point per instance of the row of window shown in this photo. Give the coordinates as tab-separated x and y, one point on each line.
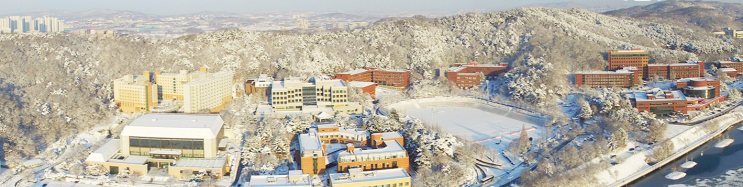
393	185
166	143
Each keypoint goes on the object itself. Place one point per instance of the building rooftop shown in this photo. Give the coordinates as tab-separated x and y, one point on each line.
727	69
197	126
696	79
606	72
392	146
295	178
201	162
387	135
360	84
356	175
659	96
310	141
354	72
628	51
106	151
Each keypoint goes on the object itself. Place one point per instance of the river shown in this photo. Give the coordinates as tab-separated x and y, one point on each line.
712	163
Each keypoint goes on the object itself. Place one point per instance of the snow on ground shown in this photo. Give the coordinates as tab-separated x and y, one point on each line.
631	164
470	123
673	130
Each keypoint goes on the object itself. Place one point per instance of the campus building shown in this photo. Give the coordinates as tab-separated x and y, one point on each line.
197	90
178	143
366	87
390	154
737	66
689	69
295	178
734	33
311	154
332	133
258	84
396	177
135	93
394	78
705	88
468	75
624	78
660	102
292	94
629	58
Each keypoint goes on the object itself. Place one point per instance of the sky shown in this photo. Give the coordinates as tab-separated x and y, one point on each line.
175	7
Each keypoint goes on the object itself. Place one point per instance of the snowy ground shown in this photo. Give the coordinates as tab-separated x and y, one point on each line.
470	123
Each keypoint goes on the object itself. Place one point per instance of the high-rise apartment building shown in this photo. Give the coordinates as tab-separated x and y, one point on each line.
135	93
629	58
198	90
23	24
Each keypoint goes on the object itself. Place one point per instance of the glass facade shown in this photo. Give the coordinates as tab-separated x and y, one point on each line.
188	147
707	94
662	111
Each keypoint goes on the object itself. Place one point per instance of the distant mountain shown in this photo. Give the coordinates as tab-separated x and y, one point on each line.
707	15
568	5
88	14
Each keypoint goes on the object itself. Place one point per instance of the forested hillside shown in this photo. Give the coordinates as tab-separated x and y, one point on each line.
56	85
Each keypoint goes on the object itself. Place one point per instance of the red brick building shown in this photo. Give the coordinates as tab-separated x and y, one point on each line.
468	75
366	87
400	79
607	79
660	102
629	58
728	64
677	71
705	88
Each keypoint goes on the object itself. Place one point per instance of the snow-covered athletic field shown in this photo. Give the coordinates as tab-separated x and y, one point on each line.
470	123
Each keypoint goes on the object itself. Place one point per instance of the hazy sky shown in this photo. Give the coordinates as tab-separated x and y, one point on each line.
171	7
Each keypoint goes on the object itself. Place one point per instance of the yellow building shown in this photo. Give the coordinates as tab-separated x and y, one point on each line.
178	143
198	90
135	93
733	32
396	177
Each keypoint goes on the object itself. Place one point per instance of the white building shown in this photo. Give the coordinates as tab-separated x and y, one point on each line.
292	94
295	179
198	90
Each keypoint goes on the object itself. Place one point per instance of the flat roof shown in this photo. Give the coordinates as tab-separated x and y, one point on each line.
696	79
338	83
367	176
628	51
643	96
390	135
309	141
354	72
727	69
605	72
280	180
392	146
191	126
201	162
133	159
360	84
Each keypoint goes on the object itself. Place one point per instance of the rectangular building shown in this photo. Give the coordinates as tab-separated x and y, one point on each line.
395	78
734	33
468	75
366	87
178	143
258	84
389	155
311	154
292	94
135	93
689	69
629	58
198	90
738	66
607	79
295	179
396	177
660	102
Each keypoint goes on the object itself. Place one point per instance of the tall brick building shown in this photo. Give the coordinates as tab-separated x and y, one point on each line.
736	67
607	79
629	58
689	69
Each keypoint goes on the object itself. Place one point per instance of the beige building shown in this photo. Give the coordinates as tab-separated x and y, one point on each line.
198	90
733	32
396	177
320	92
135	93
180	143
295	179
